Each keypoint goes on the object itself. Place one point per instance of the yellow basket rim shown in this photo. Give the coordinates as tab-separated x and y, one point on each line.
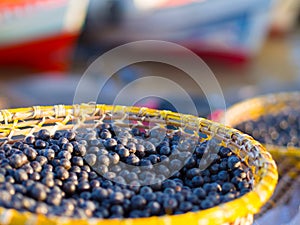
248	204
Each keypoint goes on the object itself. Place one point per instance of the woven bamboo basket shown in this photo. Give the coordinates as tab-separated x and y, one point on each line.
287	158
18	123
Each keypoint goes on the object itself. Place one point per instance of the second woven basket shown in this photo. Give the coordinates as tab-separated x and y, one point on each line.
287	158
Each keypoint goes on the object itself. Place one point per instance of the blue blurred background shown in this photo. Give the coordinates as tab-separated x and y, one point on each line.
252	47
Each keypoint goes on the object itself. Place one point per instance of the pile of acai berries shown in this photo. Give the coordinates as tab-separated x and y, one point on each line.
282	129
113	172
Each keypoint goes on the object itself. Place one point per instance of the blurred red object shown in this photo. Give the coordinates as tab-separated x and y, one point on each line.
39	34
52	53
216	115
